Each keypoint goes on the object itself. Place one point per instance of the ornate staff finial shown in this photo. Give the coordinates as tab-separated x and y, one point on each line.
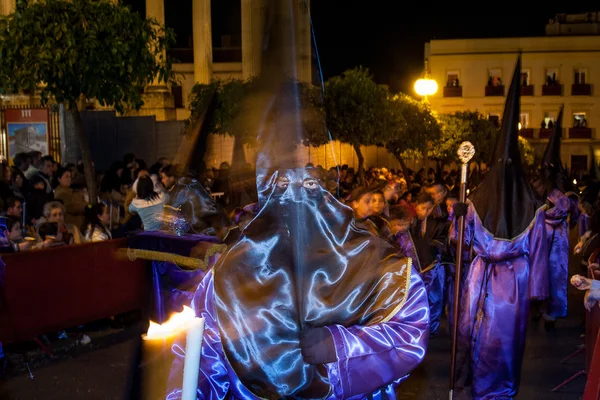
466	151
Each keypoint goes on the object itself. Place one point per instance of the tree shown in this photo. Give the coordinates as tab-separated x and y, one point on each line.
75	49
416	128
240	106
359	112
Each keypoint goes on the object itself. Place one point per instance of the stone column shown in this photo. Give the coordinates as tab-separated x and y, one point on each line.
303	40
253	20
202	38
158	101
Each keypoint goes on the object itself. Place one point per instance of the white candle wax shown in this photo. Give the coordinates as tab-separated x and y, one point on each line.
191	366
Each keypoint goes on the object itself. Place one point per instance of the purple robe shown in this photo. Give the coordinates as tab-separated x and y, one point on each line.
407	246
370	359
557	231
504	275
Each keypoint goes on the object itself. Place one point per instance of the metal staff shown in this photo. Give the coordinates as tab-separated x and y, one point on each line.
466	151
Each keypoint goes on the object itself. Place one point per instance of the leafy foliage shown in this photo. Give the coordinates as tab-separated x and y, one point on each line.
358	109
76	48
240	106
415	129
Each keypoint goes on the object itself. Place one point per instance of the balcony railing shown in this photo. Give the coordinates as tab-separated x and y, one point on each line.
581	89
527	90
552	90
453	91
545	133
526	133
580	133
494	90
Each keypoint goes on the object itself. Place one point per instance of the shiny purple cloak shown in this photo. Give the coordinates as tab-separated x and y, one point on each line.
372	360
433	279
503	276
557	231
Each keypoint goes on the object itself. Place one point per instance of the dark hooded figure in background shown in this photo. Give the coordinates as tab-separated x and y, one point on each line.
506	227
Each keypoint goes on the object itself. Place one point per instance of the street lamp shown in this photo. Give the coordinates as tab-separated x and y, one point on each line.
426	86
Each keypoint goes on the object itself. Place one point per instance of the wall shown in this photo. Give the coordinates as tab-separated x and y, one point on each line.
220	149
474	57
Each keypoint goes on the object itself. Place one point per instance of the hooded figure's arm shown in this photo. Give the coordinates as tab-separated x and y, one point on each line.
372	357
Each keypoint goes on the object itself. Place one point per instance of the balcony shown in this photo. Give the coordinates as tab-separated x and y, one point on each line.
527	90
580	133
526	133
545	133
552	90
581	89
494	91
453	91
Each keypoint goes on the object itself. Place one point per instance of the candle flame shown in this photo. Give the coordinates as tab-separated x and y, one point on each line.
176	323
574	181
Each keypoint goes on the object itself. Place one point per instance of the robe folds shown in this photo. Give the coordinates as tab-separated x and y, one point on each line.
557	231
371	360
502	278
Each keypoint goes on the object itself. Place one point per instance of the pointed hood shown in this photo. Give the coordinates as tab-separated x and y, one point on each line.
551	157
552	169
594	173
504	201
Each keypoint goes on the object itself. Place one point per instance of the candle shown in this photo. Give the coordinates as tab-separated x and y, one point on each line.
191	368
159	356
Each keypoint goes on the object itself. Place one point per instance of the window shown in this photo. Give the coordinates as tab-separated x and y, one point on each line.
525	74
579	120
452	79
580	76
549	119
495	118
495	77
551	76
524	121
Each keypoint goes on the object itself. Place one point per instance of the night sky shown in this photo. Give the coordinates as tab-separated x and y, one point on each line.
387	36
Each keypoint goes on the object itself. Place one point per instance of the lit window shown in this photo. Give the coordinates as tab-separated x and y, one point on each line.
524	120
579	120
525	74
551	76
580	76
549	119
495	77
452	79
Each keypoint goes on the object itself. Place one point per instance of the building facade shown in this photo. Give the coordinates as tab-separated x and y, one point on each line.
474	74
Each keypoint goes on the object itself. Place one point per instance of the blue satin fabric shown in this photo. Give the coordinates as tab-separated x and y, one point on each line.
372	360
583	224
434	280
504	275
301	263
172	287
557	230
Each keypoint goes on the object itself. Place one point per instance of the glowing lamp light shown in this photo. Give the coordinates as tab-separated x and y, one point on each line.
574	181
520	126
426	87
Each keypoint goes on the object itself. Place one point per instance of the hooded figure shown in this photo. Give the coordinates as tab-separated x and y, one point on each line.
556	183
506	228
306	304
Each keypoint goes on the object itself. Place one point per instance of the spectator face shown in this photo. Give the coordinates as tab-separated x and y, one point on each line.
399	225
15	233
424	210
438	192
167	181
48	167
105	217
15	211
377	203
57	215
362	207
65	180
19	181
